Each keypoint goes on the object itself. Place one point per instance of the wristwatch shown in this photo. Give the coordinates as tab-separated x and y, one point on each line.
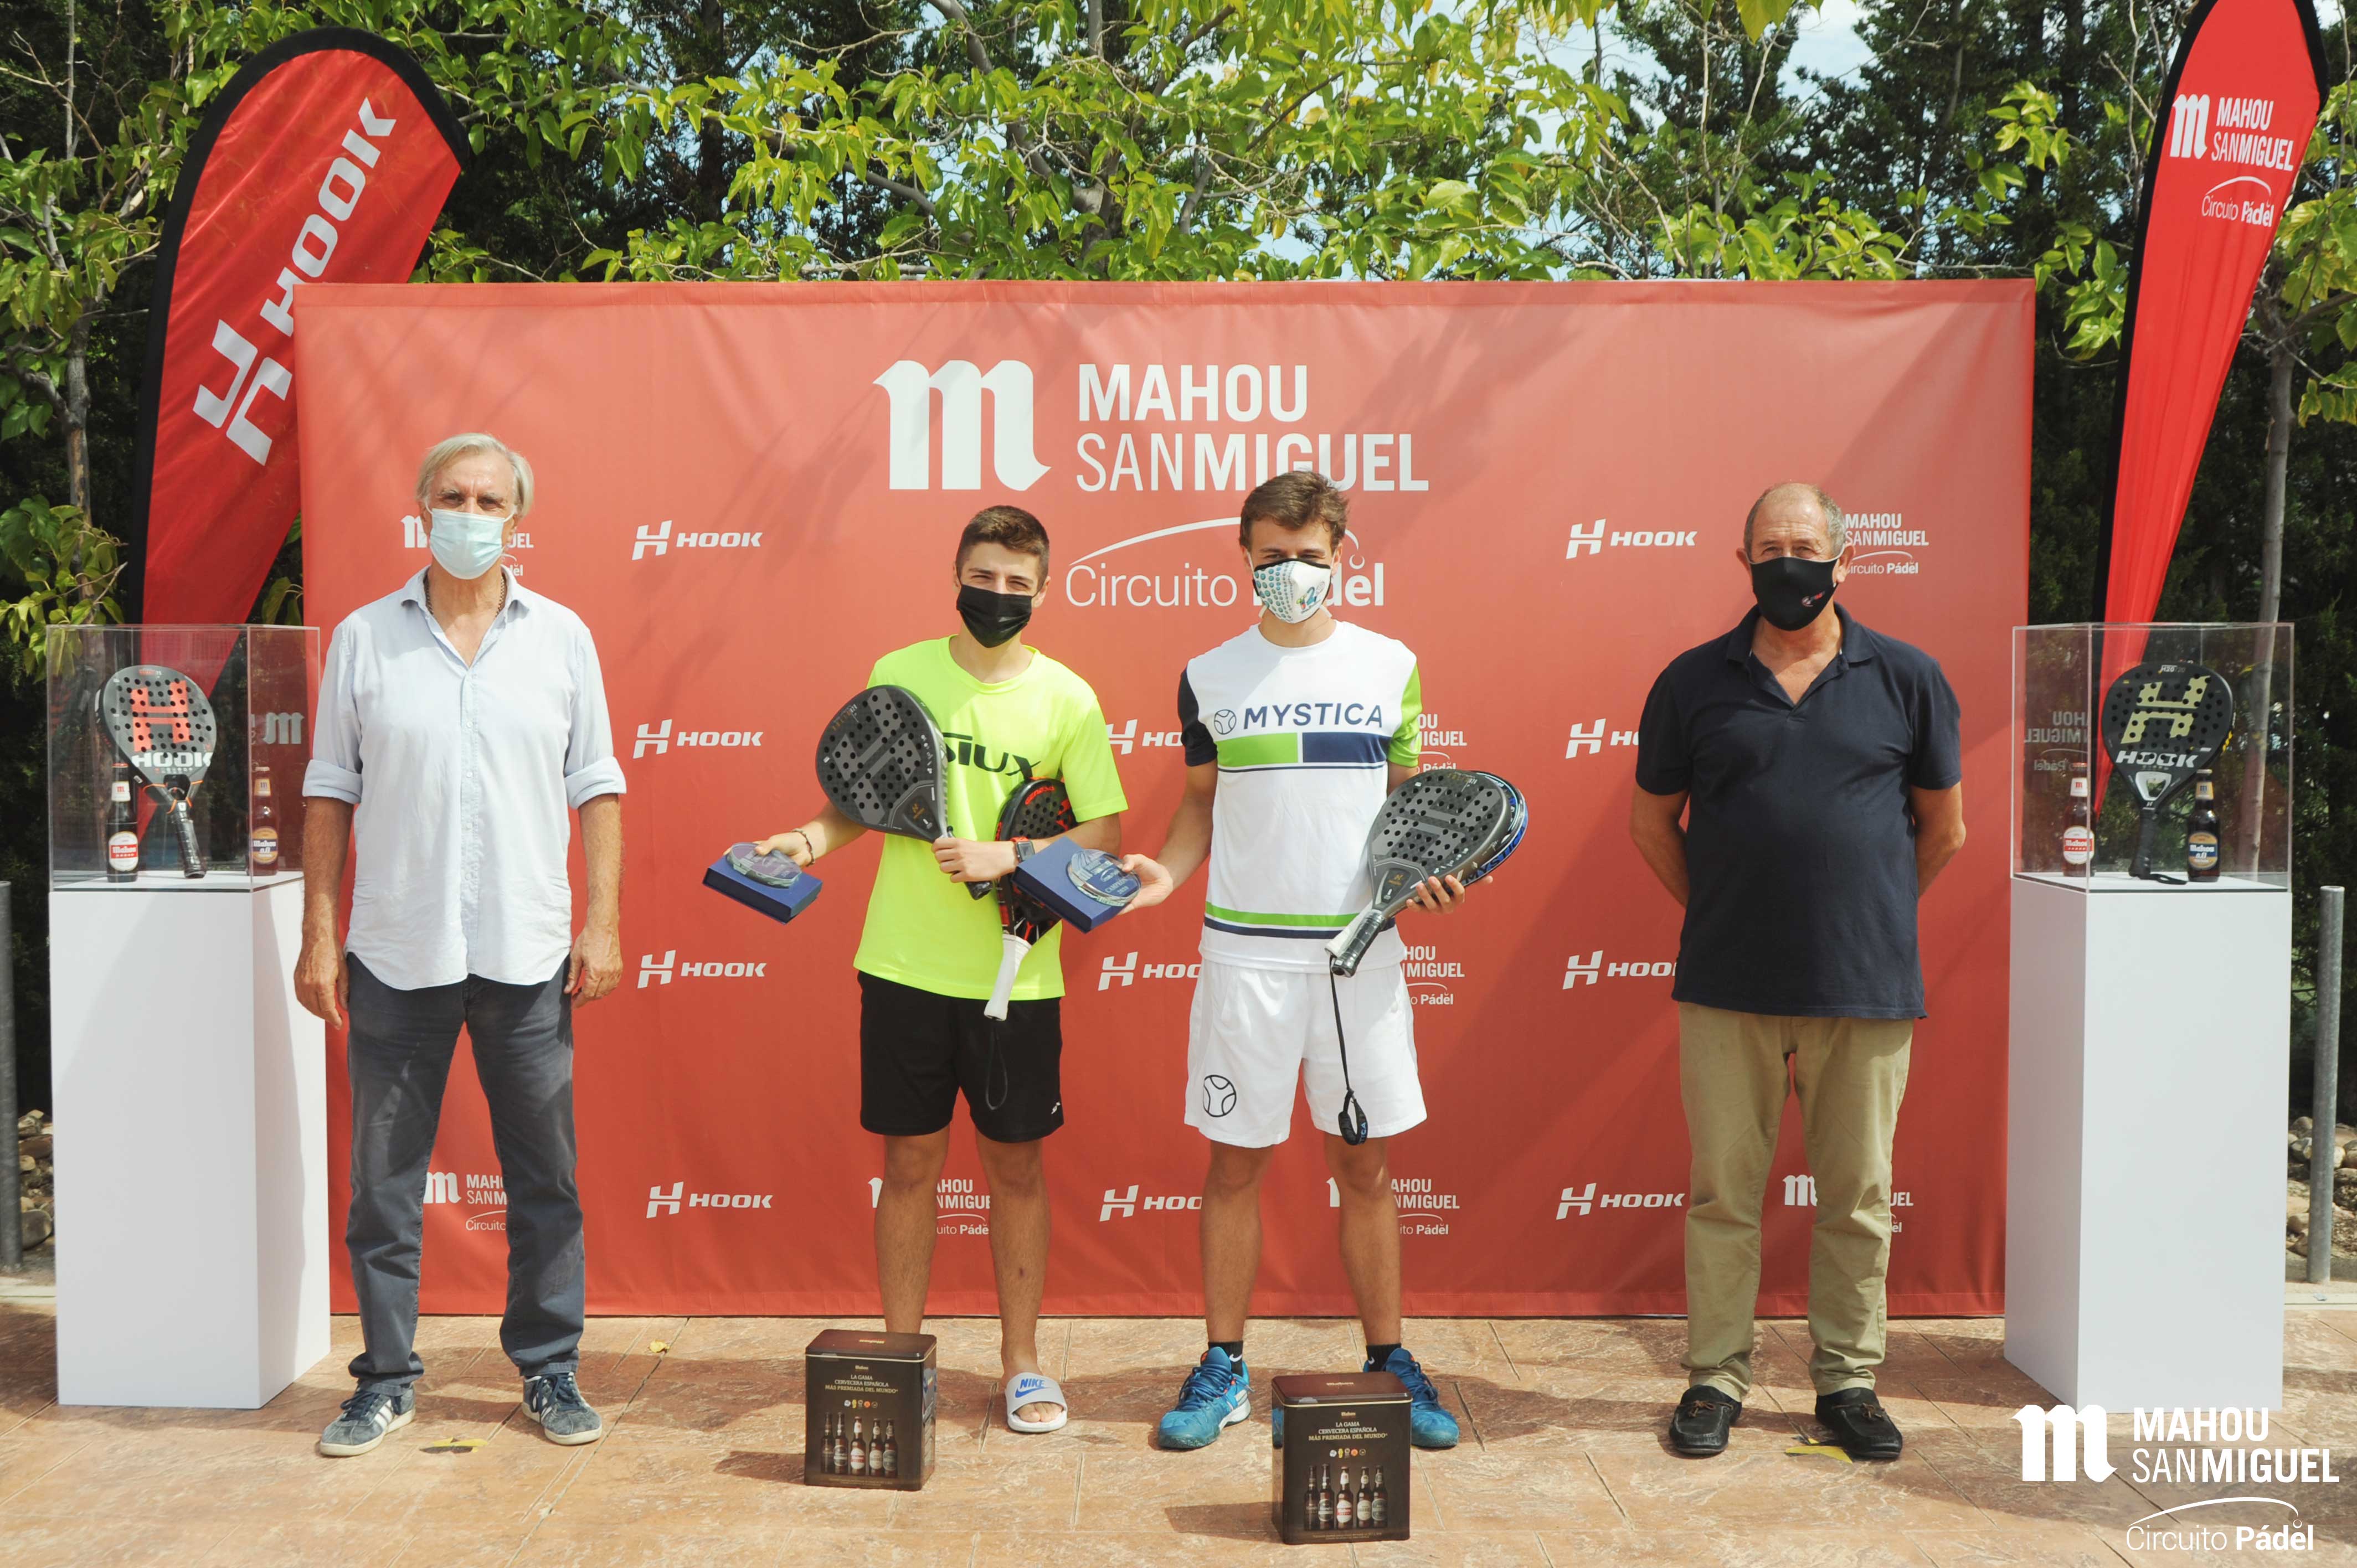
1024	850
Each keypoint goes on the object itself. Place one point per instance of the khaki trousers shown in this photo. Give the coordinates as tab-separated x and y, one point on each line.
1851	1074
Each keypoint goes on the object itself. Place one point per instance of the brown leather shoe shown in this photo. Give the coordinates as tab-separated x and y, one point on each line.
1860	1424
1698	1429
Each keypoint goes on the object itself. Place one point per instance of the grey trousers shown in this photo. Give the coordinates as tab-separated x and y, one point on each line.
399	1049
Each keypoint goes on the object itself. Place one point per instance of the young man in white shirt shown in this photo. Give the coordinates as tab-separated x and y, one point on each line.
1295	733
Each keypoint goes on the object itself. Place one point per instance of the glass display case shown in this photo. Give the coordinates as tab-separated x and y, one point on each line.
177	754
2153	757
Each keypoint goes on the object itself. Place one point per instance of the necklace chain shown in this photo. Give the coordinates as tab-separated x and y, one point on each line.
495	608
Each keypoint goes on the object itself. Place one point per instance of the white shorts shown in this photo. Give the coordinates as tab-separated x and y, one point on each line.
1253	1031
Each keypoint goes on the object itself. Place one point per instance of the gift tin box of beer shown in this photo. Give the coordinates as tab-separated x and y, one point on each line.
868	1419
1341	1458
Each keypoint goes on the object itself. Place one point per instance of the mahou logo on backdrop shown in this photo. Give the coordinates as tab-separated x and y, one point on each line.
1882	544
1148	428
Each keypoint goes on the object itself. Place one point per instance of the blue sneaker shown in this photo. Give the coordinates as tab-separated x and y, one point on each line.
1429	1426
1217	1393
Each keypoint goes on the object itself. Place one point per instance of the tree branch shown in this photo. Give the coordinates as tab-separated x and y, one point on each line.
955	11
908	193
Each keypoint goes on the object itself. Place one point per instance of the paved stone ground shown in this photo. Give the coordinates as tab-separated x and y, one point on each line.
1563	1461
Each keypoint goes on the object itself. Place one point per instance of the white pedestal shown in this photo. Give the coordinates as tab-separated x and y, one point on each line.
2144	1162
192	1156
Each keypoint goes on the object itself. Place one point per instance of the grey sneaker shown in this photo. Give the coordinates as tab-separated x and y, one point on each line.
555	1402
368	1415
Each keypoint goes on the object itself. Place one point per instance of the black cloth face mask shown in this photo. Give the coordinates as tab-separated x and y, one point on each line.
1791	592
991	618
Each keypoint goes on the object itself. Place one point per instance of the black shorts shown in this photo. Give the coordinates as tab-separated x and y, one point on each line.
919	1048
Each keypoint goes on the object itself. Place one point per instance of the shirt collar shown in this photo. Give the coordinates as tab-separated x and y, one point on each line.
520	598
1858	643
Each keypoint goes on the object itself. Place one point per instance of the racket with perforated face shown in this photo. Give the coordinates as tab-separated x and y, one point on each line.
880	760
1039	809
2162	724
1440	823
160	721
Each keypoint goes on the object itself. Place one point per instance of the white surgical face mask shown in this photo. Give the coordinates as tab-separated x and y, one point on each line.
468	544
1293	591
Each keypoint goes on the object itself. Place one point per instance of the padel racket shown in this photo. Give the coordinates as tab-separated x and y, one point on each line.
1440	823
1039	809
2162	724
1510	837
160	721
880	761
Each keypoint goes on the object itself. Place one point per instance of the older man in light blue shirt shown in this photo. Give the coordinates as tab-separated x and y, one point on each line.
461	718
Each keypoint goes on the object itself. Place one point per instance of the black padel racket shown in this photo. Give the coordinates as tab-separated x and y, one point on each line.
161	723
1443	822
1039	809
2163	724
880	761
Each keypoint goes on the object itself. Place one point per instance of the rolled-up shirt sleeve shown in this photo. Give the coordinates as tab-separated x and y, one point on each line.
591	768
335	769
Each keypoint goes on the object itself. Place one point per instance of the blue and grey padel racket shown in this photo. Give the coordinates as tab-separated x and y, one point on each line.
1440	823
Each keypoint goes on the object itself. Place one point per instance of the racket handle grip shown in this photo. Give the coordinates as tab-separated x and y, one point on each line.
192	859
1010	959
1344	952
981	890
2147	834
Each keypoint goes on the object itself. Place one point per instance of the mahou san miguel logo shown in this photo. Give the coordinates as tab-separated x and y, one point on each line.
1184	430
2232	133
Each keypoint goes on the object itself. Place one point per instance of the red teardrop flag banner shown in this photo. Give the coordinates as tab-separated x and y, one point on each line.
325	159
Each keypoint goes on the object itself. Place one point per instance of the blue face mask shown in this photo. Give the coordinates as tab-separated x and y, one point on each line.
468	544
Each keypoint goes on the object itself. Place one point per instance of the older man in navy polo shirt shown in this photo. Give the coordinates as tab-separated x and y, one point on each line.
1817	766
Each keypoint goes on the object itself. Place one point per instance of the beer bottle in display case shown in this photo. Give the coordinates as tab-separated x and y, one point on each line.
891	1447
262	852
1377	1501
2201	832
121	827
1346	1506
2079	832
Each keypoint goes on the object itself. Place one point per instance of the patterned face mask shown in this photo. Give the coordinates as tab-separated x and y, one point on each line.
1293	591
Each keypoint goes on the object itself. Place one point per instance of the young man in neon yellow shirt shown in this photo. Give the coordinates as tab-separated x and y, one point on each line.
931	950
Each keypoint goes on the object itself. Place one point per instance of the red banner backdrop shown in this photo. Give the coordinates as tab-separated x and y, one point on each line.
750	491
325	159
2243	99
